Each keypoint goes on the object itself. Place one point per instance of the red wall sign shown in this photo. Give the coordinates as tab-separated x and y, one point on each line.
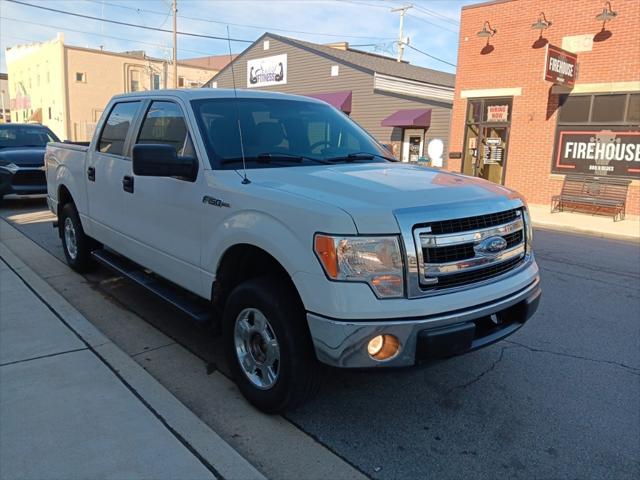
560	66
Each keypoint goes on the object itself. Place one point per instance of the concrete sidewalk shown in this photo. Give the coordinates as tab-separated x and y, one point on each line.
72	405
597	225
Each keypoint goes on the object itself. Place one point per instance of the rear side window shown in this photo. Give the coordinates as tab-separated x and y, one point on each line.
164	123
116	127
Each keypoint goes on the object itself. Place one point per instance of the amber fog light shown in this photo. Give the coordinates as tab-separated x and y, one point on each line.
383	347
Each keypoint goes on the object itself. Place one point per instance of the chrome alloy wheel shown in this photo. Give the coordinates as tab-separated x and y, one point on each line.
70	238
257	348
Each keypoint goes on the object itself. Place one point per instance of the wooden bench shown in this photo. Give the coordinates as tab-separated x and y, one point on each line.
598	194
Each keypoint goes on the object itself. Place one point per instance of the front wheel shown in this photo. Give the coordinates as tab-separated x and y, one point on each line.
268	346
76	244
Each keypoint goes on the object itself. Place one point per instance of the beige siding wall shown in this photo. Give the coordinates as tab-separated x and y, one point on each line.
309	72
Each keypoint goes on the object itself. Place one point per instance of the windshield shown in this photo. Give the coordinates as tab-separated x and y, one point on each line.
17	136
281	133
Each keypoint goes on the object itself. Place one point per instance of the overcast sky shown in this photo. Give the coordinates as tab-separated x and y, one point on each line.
432	25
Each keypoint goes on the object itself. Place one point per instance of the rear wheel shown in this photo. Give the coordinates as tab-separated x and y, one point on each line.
268	346
76	245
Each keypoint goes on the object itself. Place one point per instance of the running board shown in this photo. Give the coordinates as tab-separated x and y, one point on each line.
185	301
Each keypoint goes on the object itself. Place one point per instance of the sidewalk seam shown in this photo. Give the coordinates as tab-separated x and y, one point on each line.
135	393
49	355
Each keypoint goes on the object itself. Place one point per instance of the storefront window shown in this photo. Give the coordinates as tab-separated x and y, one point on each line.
574	109
487	137
608	108
633	111
598	135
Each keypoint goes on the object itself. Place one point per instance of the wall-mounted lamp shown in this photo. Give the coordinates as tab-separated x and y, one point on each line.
607	13
542	23
487	31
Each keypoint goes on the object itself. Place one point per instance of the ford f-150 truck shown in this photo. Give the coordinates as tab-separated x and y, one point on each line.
308	243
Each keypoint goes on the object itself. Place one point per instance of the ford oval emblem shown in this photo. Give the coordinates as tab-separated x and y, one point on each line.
491	245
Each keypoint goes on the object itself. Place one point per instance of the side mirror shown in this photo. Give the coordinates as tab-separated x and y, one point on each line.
160	160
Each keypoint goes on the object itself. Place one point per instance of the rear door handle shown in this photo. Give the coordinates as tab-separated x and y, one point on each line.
91	174
127	183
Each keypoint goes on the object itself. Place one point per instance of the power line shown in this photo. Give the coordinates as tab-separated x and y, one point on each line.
386	7
431	56
424	20
53	27
116	22
242	25
444	18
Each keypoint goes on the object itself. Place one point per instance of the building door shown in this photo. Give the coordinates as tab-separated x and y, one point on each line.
487	138
412	145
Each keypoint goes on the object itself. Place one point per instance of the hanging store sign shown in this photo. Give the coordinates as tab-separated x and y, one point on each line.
598	152
263	72
497	113
560	66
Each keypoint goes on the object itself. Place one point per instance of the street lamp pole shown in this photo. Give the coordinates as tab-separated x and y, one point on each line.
174	8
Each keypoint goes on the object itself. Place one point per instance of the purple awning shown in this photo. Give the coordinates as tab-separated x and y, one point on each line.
340	100
420	117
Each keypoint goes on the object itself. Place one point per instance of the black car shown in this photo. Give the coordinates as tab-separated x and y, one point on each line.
22	149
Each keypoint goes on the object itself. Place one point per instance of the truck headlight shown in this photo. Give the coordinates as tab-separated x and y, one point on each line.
373	260
528	228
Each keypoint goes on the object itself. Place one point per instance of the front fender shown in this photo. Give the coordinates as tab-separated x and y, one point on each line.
293	249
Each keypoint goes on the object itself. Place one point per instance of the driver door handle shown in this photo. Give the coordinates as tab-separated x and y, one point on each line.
91	174
127	183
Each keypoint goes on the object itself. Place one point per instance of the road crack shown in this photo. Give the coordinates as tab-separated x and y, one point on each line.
479	377
629	368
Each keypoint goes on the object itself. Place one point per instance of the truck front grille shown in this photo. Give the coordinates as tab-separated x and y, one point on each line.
465	278
457	252
473	223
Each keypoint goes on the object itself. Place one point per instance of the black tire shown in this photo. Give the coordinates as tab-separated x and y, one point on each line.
81	260
299	372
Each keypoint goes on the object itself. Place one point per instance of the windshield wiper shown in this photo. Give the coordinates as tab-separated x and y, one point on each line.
269	157
352	157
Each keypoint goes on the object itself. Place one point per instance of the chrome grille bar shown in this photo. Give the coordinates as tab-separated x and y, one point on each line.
431	273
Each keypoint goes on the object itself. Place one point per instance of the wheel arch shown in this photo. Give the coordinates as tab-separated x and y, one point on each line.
244	261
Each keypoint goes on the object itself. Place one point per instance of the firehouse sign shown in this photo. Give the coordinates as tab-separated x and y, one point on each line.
560	66
598	152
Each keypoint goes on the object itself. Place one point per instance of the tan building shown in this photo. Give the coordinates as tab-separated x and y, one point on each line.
67	87
5	113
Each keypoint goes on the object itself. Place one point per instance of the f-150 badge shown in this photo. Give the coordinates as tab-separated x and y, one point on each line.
216	202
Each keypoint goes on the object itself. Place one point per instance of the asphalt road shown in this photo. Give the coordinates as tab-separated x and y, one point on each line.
559	399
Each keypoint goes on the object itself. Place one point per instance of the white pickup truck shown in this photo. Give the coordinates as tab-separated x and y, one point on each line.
309	244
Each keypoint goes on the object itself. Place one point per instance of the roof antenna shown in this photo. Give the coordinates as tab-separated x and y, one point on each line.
245	180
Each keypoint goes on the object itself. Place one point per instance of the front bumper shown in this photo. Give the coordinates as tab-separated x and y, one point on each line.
344	343
23	181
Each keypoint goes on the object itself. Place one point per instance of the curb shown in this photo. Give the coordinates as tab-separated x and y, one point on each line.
206	445
585	231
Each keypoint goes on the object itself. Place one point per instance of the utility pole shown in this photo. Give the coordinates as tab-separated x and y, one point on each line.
401	40
174	8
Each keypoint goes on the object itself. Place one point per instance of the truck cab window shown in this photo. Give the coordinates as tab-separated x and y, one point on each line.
164	123
116	127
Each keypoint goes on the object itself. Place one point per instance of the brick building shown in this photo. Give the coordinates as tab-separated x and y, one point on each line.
512	126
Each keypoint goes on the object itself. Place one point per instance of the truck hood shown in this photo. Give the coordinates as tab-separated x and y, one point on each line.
372	192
